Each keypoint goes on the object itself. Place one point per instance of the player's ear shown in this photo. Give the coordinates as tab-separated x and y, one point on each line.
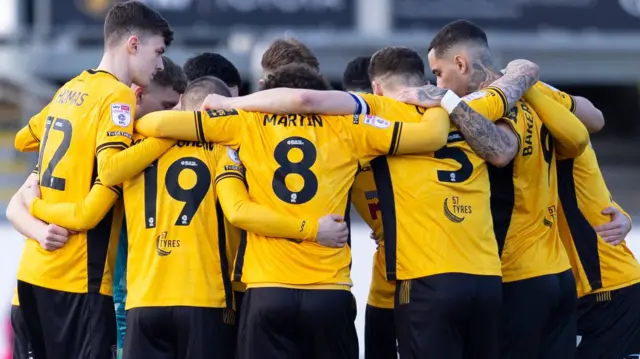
377	88
139	91
261	82
460	63
133	42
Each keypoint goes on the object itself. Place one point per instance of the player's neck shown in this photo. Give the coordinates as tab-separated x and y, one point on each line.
117	66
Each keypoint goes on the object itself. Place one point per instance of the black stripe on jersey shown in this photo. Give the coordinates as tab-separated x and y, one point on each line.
382	176
197	115
503	198
573	104
584	236
151	194
347	217
505	104
395	138
32	133
224	264
242	249
229	175
106	145
98	240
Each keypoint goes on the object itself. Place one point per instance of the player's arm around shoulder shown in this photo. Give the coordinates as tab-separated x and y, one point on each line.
590	116
570	135
474	116
140	155
81	216
286	100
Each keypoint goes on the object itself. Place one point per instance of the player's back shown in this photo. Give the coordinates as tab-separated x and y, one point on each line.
67	160
176	257
597	265
302	165
435	206
524	195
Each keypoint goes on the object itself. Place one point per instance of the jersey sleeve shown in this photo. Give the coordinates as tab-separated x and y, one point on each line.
219	126
128	163
28	138
250	216
490	102
78	216
115	125
570	135
367	104
374	136
562	98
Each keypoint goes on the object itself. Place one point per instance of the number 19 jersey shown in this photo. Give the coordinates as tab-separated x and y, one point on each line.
90	113
177	253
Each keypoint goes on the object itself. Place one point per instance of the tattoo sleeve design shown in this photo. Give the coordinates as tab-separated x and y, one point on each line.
515	83
484	137
430	93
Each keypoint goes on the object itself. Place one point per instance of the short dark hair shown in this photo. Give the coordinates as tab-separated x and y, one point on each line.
356	75
126	18
171	76
298	76
457	32
212	64
396	60
199	88
288	51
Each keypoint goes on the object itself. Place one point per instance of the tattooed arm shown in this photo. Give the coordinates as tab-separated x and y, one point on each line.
496	143
520	76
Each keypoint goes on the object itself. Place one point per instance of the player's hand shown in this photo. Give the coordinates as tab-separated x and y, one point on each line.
375	238
54	237
214	102
425	96
332	231
615	231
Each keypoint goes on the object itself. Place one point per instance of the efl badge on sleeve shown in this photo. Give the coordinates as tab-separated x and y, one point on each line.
121	114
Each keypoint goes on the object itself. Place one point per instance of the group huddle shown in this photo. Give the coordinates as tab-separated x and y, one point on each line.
219	225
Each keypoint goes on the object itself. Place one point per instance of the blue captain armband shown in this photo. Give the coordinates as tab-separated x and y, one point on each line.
362	108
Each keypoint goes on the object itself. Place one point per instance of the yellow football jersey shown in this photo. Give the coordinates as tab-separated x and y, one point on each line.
177	254
524	194
301	165
364	198
597	265
90	113
435	206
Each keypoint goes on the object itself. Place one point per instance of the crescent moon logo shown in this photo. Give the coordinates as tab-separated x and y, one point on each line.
450	215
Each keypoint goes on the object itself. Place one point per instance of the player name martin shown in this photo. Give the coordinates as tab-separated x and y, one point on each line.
292	120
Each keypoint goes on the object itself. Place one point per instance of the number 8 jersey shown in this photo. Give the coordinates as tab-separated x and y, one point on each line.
302	166
177	253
